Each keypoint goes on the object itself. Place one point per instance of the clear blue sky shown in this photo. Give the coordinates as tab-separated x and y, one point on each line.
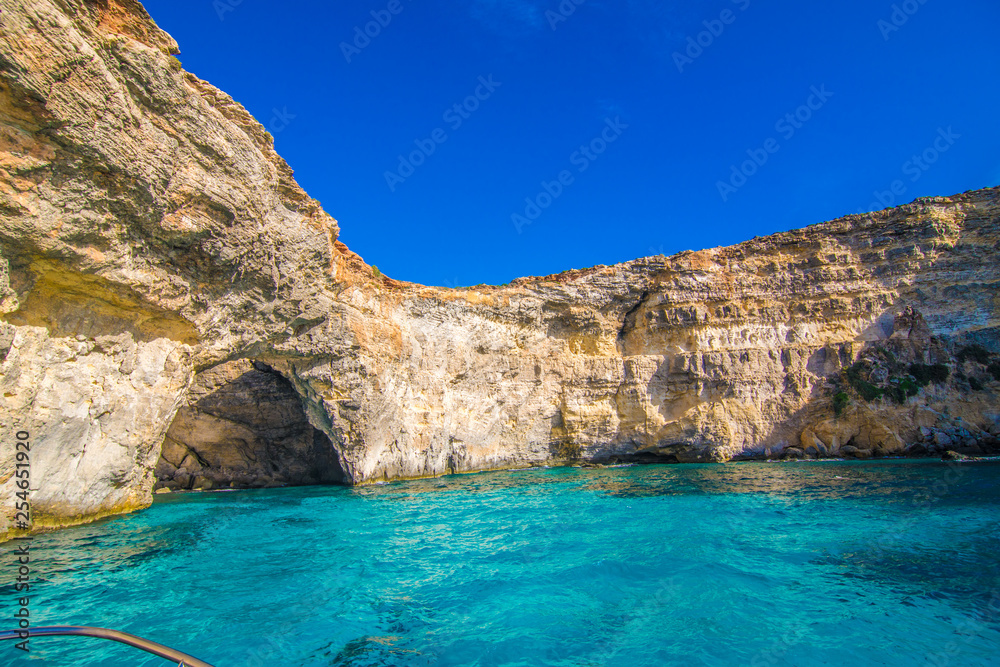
673	126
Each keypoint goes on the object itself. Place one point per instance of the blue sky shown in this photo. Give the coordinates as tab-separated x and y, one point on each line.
598	132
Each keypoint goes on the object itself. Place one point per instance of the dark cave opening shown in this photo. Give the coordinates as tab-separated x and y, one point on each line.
243	427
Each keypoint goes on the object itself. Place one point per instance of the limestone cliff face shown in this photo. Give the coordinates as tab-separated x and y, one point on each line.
168	289
704	356
147	229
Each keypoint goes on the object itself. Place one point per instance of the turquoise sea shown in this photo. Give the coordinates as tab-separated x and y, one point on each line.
825	563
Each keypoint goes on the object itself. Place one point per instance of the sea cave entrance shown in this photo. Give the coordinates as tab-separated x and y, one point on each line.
243	426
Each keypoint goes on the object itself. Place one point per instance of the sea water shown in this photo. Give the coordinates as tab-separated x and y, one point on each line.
867	563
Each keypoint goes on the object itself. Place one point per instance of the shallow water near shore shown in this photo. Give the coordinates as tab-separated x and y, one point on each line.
833	563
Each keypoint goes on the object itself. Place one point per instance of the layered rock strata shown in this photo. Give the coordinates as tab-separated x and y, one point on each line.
147	229
174	305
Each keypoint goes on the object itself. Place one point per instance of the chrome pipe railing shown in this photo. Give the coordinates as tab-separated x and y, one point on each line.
182	659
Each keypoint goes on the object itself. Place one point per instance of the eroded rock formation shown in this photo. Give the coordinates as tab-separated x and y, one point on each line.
243	426
166	287
143	216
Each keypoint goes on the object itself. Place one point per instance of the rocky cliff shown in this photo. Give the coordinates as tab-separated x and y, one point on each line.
177	311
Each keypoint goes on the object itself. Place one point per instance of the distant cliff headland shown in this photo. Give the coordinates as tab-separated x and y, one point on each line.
177	313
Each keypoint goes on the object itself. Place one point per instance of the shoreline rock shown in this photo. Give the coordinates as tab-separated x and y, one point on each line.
145	256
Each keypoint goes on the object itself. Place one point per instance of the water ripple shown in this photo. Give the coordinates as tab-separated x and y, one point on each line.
890	563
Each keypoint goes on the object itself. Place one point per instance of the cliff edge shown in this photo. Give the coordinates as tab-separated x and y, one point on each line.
177	312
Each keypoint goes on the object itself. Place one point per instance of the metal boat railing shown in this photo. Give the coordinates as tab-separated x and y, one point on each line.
182	659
